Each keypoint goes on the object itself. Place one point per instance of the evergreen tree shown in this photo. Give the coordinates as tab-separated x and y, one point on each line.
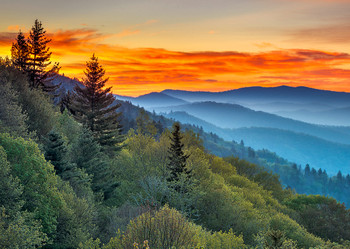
93	107
177	158
20	52
39	60
55	152
86	154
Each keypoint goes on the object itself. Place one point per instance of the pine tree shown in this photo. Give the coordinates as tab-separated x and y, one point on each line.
56	152
20	52
177	158
87	155
92	106
39	60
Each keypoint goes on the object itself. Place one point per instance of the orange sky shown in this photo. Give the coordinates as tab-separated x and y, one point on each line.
138	71
206	45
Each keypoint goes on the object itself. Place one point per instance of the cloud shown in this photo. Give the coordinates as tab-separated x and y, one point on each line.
141	70
13	28
6	38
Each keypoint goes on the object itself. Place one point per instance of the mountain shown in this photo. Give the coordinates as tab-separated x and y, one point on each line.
298	147
153	99
66	84
236	116
186	118
259	95
335	116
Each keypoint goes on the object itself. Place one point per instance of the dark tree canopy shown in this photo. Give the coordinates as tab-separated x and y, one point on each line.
92	106
20	52
33	57
177	157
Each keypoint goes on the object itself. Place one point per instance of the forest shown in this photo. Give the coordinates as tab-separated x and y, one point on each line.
79	169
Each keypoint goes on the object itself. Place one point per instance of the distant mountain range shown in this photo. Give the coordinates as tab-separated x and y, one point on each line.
259	95
297	147
153	99
236	116
300	103
251	115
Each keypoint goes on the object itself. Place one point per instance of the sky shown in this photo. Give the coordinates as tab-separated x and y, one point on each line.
201	45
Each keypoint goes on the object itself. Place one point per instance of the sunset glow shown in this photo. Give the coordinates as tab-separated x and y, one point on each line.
205	51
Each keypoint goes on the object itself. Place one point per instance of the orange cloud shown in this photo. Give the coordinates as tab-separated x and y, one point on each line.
139	71
13	28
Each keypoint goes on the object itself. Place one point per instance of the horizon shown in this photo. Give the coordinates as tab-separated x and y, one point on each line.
150	46
168	89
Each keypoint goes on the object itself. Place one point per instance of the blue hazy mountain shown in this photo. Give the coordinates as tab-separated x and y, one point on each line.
236	116
298	95
297	147
153	99
300	103
334	116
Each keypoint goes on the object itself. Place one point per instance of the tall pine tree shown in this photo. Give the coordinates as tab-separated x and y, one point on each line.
39	60
20	52
92	106
177	158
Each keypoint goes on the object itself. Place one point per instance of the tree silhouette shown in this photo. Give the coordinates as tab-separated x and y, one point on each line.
20	52
92	106
177	158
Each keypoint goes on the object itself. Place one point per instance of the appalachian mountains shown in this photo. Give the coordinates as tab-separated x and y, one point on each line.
153	99
185	118
236	116
298	95
296	147
336	116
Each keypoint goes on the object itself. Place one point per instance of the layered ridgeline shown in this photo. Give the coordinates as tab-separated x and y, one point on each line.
320	146
300	103
326	107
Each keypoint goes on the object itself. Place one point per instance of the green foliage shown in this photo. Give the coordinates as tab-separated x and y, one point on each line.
36	105
294	231
221	240
75	221
274	239
322	216
18	229
12	118
39	181
145	125
68	127
166	228
66	219
87	155
55	152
